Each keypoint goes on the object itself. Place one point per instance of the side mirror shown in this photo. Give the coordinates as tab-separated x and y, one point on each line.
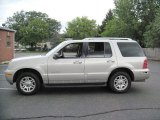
56	56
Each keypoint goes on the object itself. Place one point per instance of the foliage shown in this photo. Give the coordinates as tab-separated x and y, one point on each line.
115	28
146	13
131	18
124	23
109	16
33	27
80	28
152	34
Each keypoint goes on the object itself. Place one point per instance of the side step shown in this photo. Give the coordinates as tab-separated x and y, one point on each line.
75	84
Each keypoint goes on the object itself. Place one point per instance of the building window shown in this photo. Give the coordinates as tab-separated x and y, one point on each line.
8	41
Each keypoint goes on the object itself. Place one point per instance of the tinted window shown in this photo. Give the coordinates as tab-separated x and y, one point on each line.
130	49
95	49
108	51
99	50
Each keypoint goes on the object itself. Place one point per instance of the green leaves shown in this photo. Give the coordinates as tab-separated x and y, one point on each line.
131	18
33	27
115	28
109	16
80	28
152	34
124	22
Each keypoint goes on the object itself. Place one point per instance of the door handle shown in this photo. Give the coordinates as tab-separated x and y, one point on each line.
77	62
110	61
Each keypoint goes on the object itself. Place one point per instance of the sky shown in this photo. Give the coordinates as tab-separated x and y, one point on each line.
61	10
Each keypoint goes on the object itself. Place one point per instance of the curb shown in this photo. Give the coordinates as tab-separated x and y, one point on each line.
153	59
4	62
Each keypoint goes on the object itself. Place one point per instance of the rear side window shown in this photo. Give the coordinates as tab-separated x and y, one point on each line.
99	50
108	51
95	50
130	49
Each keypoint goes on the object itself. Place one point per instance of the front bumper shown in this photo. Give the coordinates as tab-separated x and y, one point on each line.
9	75
141	75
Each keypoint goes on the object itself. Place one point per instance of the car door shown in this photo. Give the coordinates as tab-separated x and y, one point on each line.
98	61
69	66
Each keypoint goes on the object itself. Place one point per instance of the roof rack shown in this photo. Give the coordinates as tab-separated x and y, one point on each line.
108	38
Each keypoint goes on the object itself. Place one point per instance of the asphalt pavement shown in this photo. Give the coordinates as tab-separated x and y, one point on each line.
142	102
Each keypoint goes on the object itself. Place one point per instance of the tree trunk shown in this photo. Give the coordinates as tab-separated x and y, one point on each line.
32	46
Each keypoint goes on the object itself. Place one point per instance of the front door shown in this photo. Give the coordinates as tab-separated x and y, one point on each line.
69	66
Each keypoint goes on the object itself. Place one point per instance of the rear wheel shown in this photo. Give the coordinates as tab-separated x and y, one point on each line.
28	83
120	82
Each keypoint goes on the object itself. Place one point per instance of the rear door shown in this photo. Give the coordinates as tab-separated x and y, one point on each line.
98	61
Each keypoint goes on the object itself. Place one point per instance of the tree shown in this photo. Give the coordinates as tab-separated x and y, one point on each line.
109	16
17	22
34	32
80	28
152	34
146	13
32	27
115	28
53	28
131	18
124	23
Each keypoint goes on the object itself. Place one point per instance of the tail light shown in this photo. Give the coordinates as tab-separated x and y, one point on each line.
145	64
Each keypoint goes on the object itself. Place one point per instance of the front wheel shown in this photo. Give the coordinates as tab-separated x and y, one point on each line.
28	83
120	82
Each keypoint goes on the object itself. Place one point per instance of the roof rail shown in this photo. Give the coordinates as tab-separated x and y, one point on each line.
108	38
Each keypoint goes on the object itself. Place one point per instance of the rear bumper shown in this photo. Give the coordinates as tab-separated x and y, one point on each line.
141	75
9	75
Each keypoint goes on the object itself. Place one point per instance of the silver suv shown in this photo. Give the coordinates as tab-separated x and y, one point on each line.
115	62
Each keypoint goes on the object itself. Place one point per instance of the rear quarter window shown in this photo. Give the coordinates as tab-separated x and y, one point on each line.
130	49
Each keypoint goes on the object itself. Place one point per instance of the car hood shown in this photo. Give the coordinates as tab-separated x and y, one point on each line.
27	62
27	58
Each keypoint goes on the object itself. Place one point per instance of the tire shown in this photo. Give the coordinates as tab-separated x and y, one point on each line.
28	83
120	82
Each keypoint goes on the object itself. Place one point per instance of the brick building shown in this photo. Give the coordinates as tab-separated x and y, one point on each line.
7	37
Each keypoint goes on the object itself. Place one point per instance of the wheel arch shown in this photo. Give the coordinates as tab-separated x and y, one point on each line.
122	69
20	71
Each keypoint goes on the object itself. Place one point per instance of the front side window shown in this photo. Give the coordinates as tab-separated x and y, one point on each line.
73	50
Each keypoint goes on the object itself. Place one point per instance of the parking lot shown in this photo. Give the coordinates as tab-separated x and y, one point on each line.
142	102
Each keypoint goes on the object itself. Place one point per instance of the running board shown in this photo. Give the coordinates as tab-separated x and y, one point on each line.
74	84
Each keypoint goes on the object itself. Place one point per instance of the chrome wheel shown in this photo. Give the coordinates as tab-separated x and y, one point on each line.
121	82
27	84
